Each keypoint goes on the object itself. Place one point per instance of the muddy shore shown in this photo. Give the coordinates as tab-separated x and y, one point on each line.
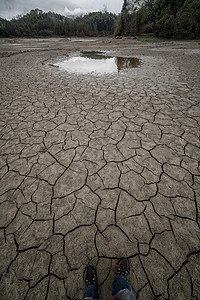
94	168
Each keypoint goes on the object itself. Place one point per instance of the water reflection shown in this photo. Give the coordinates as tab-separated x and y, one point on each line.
98	63
127	63
83	40
85	65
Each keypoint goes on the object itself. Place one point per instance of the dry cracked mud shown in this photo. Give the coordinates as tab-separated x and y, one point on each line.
94	168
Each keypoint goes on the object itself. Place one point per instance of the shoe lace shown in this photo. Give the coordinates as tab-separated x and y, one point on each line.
90	281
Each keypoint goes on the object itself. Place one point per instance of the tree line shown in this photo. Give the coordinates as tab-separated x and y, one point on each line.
39	23
164	18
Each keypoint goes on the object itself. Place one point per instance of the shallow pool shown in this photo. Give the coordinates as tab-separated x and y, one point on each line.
97	63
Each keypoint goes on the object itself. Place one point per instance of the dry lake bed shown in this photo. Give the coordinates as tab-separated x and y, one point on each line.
100	158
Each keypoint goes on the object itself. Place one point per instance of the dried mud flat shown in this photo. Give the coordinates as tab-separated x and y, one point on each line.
94	168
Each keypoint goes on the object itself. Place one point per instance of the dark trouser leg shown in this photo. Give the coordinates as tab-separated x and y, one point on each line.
121	286
91	293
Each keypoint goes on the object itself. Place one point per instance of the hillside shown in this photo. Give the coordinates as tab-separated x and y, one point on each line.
165	18
39	23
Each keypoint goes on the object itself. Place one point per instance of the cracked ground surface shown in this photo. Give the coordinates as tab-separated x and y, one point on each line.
96	168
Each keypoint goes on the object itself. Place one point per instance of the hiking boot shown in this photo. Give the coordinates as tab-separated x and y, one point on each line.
90	276
123	267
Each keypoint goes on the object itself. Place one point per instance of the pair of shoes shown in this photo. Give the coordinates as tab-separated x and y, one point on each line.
90	275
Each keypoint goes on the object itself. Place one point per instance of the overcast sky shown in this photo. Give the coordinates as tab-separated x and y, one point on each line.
11	8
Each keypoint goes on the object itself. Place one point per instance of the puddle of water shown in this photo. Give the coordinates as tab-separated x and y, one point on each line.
82	40
85	65
97	63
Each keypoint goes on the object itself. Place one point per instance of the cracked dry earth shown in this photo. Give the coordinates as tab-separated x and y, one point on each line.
94	168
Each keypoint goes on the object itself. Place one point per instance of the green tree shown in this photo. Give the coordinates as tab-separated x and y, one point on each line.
160	17
38	23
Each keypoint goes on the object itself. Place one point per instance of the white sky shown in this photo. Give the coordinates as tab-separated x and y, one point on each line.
11	8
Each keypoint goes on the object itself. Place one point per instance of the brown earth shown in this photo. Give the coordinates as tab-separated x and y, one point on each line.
94	168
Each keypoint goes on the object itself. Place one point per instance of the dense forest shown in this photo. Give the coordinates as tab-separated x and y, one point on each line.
39	23
164	18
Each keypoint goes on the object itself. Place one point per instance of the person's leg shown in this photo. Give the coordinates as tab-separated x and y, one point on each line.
90	278
120	284
91	292
126	295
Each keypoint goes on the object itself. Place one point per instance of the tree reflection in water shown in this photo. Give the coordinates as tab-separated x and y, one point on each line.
121	62
127	63
98	63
